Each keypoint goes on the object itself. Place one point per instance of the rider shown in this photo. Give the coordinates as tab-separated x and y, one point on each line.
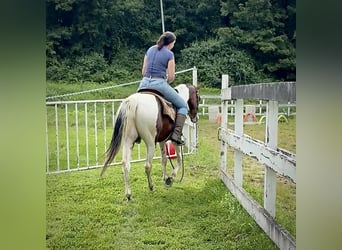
158	72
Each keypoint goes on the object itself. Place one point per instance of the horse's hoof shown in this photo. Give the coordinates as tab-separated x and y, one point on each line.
128	197
169	181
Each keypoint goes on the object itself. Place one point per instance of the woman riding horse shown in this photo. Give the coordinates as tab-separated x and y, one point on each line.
141	118
158	72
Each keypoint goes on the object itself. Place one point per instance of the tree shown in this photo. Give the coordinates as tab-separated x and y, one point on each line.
191	20
214	58
257	27
258	35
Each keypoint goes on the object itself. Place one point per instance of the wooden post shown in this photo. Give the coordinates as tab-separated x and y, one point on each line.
194	76
224	120
239	131
194	130
271	141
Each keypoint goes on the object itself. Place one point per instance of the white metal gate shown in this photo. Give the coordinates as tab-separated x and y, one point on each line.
78	133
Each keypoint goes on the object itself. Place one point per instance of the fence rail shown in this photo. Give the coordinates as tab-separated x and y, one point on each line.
214	101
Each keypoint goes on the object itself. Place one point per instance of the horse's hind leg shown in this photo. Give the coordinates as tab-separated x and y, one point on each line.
148	165
126	166
125	171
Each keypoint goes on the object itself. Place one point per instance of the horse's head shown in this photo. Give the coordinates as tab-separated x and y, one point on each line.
193	102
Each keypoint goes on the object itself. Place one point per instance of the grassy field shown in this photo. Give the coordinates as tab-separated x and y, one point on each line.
85	211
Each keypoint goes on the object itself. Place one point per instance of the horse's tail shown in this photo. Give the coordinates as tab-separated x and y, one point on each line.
119	127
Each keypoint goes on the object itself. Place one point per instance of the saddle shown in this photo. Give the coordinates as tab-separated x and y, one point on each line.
167	108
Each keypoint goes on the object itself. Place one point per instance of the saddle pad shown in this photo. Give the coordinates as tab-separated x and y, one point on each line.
166	106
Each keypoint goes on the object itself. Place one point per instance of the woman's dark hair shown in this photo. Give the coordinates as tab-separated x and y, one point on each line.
165	39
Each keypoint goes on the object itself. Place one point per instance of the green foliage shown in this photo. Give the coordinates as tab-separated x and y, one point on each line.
191	20
126	65
259	27
251	40
214	58
94	68
91	68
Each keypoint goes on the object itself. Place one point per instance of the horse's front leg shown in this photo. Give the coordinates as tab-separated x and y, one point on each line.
163	160
178	162
168	180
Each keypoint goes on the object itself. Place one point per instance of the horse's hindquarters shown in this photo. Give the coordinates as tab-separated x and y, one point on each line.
146	117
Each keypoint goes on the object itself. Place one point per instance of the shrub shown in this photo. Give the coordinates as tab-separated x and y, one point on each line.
214	58
125	66
91	68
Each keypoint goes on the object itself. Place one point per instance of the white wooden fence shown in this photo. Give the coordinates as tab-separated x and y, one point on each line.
276	160
214	102
78	133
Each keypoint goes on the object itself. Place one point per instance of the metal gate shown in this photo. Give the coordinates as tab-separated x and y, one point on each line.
77	133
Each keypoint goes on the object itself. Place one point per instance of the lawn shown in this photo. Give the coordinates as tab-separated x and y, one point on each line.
85	211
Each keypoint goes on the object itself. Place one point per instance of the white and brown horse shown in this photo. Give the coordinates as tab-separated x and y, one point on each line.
141	117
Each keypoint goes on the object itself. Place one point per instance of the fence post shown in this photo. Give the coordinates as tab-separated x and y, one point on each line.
67	135
238	127
224	120
57	138
47	143
194	76
271	142
194	131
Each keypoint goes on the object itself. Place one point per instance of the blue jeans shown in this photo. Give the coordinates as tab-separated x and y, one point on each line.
167	91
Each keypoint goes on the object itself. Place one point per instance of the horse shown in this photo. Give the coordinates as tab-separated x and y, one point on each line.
140	117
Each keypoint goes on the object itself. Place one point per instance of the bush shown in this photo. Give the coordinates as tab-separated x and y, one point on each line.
91	68
214	58
125	66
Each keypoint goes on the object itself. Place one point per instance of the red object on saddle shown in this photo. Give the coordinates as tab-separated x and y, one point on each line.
170	150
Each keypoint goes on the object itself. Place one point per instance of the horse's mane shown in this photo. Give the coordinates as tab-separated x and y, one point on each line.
183	91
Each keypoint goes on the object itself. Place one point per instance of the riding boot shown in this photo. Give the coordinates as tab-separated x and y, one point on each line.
177	131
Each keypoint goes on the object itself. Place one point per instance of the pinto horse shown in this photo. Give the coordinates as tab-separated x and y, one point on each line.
141	117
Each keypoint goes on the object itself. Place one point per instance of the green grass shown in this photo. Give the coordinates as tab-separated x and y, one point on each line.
195	214
85	211
56	89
